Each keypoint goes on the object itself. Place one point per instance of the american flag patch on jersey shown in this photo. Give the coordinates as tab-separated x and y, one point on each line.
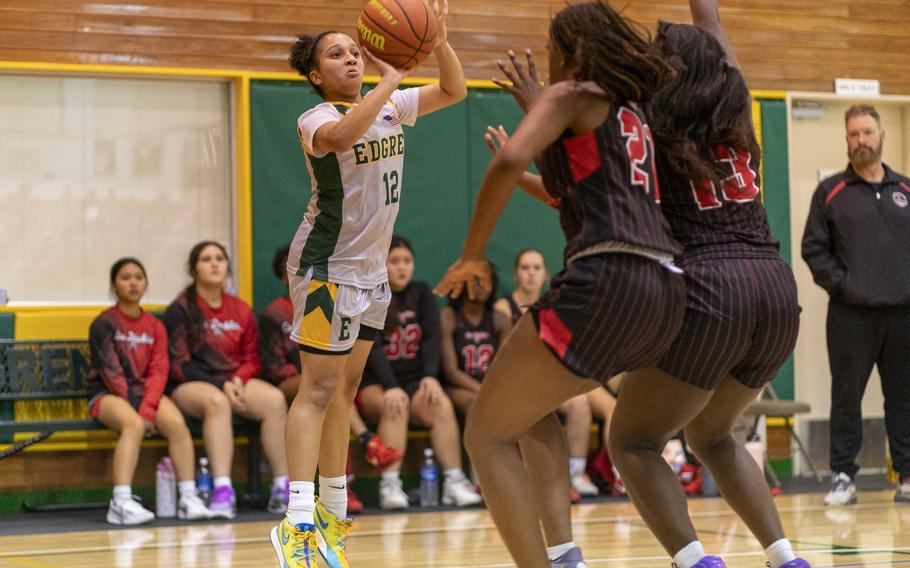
392	118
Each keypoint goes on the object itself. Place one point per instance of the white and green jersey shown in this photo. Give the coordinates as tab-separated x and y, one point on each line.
345	233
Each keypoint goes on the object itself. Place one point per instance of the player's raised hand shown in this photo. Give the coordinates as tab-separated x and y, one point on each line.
496	138
473	274
442	13
385	70
525	86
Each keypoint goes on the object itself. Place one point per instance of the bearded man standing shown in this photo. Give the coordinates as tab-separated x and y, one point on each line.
857	243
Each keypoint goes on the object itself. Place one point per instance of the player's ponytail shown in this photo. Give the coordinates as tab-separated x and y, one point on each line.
602	46
706	106
304	56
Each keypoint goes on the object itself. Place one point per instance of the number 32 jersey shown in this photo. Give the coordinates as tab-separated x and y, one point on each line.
345	233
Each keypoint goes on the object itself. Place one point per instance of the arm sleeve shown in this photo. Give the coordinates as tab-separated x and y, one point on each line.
311	121
249	357
818	247
105	358
178	341
275	365
379	365
157	376
430	343
407	103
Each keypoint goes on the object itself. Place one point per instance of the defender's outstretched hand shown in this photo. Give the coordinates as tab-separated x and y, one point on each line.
525	86
470	273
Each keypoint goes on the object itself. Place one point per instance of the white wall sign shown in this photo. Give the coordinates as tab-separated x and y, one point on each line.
857	88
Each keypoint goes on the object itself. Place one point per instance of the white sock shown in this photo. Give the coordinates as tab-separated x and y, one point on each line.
391	476
280	481
455	473
689	556
577	465
556	552
780	552
186	488
122	493
333	494
302	503
223	481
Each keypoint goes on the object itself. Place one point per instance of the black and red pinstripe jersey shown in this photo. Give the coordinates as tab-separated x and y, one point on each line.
701	213
607	184
129	359
279	354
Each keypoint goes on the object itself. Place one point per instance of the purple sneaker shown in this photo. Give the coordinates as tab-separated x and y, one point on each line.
795	563
278	500
710	562
571	559
224	503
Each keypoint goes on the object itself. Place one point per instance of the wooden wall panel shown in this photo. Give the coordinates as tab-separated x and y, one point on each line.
783	44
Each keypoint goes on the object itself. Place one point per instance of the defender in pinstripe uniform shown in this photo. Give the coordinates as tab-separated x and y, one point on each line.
618	303
742	315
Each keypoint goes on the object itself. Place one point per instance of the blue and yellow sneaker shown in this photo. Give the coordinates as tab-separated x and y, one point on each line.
333	536
295	545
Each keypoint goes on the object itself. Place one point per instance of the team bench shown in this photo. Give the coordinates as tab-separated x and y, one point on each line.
57	370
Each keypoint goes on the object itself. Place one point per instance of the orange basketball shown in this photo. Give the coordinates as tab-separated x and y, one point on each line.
400	32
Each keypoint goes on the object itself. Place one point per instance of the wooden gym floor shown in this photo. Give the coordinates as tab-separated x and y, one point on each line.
876	532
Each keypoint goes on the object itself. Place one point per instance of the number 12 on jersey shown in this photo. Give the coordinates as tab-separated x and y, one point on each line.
390	179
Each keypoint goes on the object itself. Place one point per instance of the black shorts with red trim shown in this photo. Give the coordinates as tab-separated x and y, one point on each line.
742	318
610	313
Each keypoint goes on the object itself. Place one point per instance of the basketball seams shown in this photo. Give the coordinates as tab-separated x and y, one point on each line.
387	31
407	17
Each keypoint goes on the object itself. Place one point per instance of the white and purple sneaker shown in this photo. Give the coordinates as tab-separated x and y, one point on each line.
795	563
571	559
278	500
224	503
710	562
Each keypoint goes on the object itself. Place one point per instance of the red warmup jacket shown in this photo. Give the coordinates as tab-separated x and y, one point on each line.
229	348
129	359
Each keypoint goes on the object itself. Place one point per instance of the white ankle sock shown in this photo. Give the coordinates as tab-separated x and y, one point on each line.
555	552
780	552
391	476
223	481
302	503
122	493
577	465
186	488
279	481
333	494
454	473
689	555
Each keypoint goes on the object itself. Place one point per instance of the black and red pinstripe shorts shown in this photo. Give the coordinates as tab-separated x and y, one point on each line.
610	313
742	318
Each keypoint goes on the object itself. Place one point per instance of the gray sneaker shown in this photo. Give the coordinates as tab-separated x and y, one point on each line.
903	491
843	491
571	559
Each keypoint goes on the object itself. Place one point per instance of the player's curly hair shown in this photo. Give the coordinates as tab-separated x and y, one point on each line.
603	46
304	56
708	105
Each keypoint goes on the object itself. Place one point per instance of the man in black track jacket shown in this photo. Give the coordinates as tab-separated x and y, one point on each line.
857	243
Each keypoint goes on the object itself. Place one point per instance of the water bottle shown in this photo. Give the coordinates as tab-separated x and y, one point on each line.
429	480
165	489
756	449
204	481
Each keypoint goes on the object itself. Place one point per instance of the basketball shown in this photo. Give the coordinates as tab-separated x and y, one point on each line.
400	32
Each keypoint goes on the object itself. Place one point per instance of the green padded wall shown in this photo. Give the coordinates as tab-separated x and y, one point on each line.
776	171
446	159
